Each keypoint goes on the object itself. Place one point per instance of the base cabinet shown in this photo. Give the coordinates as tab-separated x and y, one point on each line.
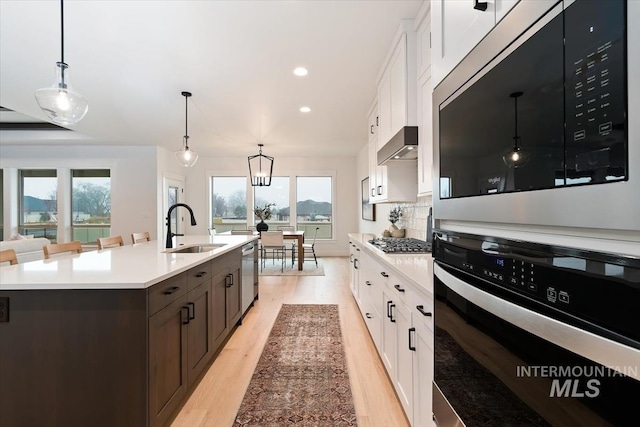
399	318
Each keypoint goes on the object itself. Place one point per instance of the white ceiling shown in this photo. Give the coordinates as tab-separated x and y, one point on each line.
132	60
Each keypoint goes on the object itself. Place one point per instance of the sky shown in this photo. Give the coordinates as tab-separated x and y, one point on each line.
314	188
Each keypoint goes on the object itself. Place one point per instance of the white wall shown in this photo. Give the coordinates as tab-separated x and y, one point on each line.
133	180
346	197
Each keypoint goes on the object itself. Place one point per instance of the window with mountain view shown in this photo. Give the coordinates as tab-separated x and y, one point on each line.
229	203
314	206
278	193
90	204
38	214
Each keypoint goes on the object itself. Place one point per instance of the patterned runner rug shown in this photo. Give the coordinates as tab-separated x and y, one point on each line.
301	377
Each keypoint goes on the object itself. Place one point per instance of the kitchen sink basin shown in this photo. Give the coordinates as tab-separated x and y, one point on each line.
196	249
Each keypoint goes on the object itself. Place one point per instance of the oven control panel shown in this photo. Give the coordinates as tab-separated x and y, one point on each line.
598	290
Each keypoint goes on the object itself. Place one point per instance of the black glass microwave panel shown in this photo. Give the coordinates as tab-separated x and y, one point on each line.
478	127
595	94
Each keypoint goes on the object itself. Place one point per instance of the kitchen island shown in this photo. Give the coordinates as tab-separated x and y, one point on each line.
116	337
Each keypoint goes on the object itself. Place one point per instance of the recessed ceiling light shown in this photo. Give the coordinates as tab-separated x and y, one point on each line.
300	71
305	109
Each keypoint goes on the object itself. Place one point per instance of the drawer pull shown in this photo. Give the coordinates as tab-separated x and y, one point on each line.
398	288
368	283
368	315
172	290
384	274
421	310
202	273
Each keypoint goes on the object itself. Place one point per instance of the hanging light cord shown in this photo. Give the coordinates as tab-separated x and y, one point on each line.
186	118
62	31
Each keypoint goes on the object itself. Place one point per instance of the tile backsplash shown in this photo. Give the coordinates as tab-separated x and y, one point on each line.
414	217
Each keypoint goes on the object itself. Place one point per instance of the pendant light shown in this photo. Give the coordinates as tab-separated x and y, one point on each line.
185	156
60	102
516	157
257	173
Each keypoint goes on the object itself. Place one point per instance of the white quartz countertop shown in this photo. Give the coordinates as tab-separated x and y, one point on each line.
126	267
417	268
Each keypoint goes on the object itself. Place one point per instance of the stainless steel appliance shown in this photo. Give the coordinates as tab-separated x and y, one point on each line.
532	335
566	64
396	245
249	281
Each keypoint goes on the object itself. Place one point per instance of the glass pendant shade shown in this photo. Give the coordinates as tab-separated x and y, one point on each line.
60	102
516	157
186	157
260	169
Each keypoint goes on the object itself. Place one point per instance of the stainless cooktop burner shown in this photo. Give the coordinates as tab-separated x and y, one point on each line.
393	245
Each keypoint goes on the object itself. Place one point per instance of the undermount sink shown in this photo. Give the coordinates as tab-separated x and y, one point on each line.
196	249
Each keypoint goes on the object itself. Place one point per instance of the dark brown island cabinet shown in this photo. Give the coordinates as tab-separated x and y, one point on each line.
122	357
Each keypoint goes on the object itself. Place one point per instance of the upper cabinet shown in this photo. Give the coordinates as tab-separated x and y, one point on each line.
457	27
397	85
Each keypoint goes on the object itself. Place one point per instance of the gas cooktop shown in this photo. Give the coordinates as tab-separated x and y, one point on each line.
394	245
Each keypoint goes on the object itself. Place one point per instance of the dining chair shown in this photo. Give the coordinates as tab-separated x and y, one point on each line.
8	255
140	237
57	248
110	242
242	232
310	248
294	244
273	242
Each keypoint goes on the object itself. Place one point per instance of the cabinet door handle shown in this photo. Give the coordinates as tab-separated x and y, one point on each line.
379	190
371	129
373	192
480	5
172	290
411	347
193	310
398	288
367	315
187	321
355	264
384	274
351	258
202	273
228	280
377	120
421	310
389	309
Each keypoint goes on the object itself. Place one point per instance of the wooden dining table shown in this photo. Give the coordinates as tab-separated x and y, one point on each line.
290	235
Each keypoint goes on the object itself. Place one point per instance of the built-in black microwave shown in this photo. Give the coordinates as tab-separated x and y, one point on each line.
546	113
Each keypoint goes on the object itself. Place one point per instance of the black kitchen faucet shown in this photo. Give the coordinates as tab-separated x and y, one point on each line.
169	233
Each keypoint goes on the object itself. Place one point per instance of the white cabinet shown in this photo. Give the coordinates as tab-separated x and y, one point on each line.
425	137
373	123
397	85
389	346
354	271
422	375
457	27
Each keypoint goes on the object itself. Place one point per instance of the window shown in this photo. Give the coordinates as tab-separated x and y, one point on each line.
39	203
314	207
278	193
229	203
90	204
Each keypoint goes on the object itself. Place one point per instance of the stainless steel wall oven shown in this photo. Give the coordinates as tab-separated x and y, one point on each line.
550	82
533	335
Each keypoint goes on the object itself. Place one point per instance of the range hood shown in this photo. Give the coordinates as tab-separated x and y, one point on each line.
403	146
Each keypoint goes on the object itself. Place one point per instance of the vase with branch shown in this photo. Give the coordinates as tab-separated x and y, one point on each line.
263	213
394	216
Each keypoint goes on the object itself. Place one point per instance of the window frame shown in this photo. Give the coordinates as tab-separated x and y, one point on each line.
99	230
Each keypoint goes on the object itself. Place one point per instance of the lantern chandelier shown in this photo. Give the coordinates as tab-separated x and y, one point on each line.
60	102
258	171
186	157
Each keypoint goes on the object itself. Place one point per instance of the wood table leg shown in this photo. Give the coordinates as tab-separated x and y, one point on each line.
300	253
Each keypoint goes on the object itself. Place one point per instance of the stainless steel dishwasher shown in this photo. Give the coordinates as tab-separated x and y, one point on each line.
248	267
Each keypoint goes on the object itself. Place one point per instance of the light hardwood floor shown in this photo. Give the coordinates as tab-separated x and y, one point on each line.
217	398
